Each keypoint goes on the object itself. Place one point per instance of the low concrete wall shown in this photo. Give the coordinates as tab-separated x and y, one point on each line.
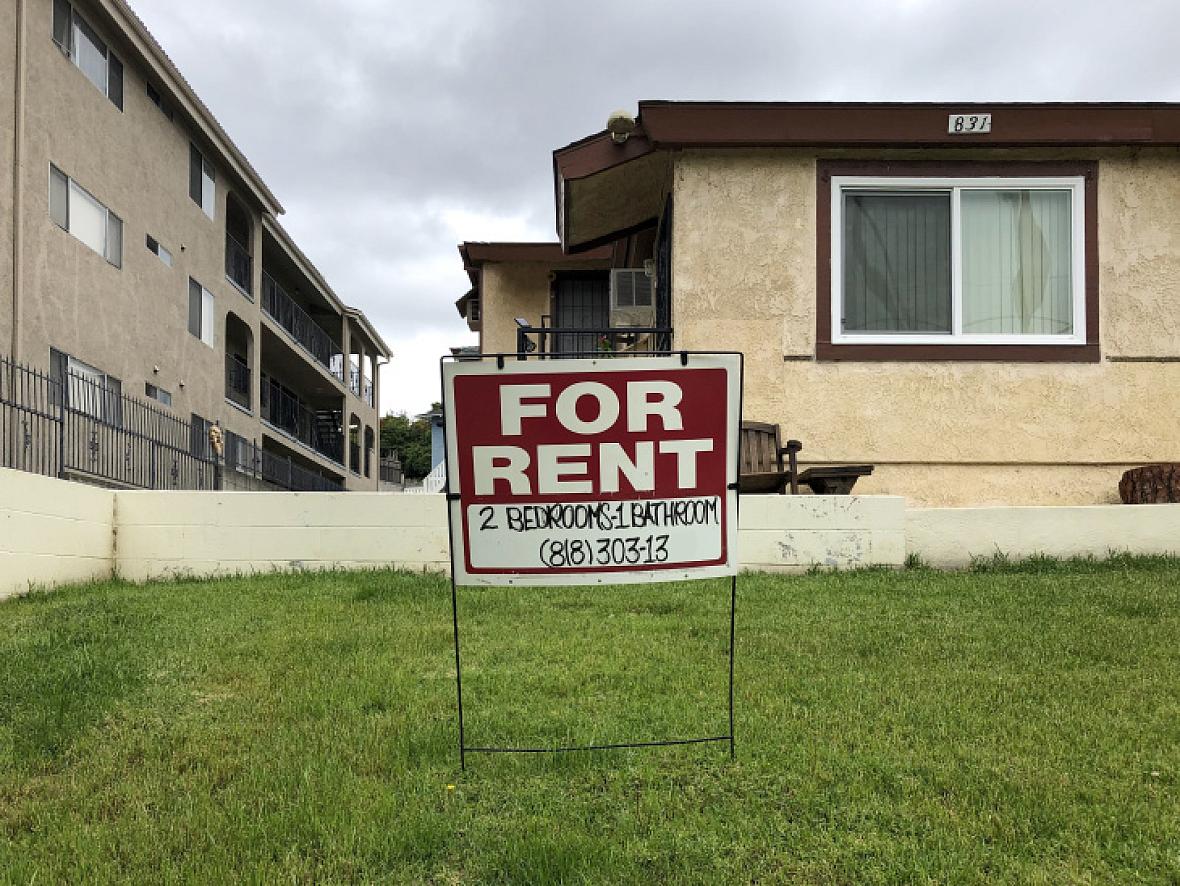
53	532
948	538
165	534
795	532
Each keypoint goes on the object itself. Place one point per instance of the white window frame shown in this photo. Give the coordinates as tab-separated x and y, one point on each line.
109	218
955	187
208	315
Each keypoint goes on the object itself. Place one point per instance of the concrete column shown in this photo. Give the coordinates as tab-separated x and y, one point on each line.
345	344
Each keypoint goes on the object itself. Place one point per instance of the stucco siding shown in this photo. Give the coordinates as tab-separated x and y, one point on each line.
510	290
963	433
8	40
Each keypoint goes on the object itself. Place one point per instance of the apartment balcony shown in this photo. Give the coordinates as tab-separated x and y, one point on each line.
550	341
237	381
284	472
247	458
286	312
361	385
319	430
239	265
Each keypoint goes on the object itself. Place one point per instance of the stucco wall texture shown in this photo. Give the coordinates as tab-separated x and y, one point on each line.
7	135
940	433
509	290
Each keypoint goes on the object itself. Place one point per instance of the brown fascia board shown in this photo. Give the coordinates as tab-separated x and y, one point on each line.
907	124
475	254
164	71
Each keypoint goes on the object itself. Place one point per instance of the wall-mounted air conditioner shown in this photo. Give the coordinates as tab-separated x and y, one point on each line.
632	298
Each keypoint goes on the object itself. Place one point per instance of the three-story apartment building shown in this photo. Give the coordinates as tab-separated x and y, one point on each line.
141	250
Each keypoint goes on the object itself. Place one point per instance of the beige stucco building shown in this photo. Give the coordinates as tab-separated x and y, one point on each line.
987	314
138	247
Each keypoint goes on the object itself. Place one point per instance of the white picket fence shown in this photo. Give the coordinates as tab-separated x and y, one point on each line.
432	483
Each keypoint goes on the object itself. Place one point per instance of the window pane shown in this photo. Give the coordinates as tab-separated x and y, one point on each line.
207	317
115	81
61	24
86	388
194	307
194	173
208	191
897	262
88	219
165	255
114	251
1017	262
59	197
90	53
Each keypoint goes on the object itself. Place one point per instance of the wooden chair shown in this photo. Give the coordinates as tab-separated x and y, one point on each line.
762	468
762	460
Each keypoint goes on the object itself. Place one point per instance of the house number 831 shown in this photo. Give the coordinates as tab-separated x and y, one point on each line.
968	124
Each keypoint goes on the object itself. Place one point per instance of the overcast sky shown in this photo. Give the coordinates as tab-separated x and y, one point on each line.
391	131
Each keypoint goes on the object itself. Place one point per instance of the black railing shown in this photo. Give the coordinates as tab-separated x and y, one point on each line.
288	414
281	308
239	265
361	385
244	457
82	428
551	341
237	381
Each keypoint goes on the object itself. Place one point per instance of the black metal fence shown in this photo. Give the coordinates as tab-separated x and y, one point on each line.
555	341
80	427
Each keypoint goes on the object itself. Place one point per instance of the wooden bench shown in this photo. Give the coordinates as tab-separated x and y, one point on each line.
763	470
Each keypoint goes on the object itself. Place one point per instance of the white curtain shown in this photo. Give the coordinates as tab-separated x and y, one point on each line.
91	54
1016	261
88	219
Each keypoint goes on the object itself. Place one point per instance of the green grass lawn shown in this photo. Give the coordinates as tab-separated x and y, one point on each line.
1019	723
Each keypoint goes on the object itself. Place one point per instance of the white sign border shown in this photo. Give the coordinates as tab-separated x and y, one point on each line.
490	364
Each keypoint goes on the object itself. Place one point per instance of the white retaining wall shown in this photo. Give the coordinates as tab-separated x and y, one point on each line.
217	533
948	538
54	531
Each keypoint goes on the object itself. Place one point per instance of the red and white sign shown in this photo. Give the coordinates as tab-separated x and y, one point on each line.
592	471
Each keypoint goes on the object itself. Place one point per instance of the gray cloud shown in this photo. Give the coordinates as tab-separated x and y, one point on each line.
392	130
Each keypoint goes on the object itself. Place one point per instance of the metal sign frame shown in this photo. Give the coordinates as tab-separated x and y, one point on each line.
501	360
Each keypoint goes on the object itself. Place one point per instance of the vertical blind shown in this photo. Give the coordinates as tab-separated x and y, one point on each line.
897	261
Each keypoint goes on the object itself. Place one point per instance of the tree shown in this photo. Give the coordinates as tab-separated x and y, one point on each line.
410	438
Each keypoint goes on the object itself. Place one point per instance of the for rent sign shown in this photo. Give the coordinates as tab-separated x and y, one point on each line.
579	471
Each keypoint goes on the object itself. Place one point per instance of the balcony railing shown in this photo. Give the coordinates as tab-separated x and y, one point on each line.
281	308
239	265
319	430
243	456
551	341
237	381
361	385
285	473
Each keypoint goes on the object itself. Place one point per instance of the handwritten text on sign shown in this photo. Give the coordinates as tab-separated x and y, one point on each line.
592	467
